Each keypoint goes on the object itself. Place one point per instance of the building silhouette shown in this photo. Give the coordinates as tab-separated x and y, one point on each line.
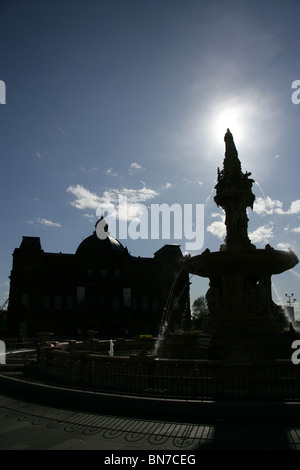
100	287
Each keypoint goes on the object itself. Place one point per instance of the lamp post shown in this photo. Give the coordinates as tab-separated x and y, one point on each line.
290	308
289	302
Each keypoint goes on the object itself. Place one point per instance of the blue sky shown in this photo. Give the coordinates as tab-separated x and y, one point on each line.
133	97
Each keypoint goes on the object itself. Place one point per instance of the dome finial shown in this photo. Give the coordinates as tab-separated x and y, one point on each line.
101	228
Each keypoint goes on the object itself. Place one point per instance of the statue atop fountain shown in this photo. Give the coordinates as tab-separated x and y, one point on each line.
234	195
243	317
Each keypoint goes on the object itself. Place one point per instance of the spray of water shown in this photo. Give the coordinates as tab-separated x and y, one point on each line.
167	313
260	189
209	197
280	299
295	273
168	310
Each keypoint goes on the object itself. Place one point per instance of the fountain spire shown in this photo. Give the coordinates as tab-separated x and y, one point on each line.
234	195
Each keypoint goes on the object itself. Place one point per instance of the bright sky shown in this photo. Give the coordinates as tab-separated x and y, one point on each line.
133	98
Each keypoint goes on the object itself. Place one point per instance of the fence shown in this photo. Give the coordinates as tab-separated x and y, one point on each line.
188	380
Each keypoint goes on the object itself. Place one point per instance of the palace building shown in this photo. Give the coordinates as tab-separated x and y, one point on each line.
100	287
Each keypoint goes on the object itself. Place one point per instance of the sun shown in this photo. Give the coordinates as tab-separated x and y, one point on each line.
234	113
233	118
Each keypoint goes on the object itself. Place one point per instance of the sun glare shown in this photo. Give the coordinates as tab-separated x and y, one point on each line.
230	118
239	115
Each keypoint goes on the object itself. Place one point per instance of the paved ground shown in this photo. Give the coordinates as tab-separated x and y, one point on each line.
28	426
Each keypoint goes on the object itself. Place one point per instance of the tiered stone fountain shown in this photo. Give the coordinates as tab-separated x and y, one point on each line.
243	322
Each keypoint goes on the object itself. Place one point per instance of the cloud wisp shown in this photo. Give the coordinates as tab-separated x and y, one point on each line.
45	222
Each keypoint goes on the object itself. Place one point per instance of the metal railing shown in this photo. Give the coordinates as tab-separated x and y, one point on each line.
170	379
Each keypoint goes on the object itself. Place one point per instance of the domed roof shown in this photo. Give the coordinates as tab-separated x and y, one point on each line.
105	245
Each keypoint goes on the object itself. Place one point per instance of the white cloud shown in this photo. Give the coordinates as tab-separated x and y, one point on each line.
134	168
89	169
283	246
262	234
192	182
268	206
111	200
48	223
85	199
295	207
134	196
295	230
110	172
91	217
217	228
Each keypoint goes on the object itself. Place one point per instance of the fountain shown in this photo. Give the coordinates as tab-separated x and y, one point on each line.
243	317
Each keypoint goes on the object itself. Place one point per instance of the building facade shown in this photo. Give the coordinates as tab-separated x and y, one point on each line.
100	287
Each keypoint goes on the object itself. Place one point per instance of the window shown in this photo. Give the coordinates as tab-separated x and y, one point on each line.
103	273
116	273
46	302
80	293
90	272
69	302
134	304
115	304
155	304
25	299
127	296
57	302
144	304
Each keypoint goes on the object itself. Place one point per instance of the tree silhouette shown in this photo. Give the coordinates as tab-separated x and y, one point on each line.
200	313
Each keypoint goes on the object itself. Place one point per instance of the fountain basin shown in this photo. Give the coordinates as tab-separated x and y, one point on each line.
262	262
183	346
